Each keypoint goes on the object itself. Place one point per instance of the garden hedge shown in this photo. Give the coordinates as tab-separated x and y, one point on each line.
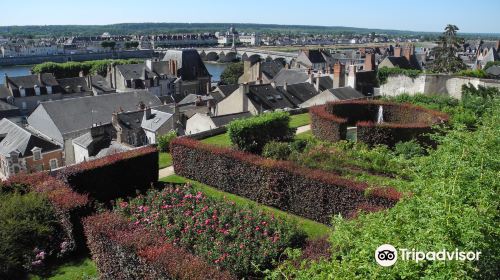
310	193
114	176
401	122
124	250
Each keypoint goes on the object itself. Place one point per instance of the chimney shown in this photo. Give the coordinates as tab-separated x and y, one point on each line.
208	88
310	79
80	74
397	51
6	80
147	113
244	88
140	106
89	81
408	52
369	62
351	79
40	78
285	85
338	75
316	84
287	66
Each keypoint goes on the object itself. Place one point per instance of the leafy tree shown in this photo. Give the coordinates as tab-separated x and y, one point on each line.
164	141
446	59
131	45
108	44
231	74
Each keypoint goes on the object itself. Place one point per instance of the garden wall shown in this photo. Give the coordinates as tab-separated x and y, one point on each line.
111	177
310	193
123	250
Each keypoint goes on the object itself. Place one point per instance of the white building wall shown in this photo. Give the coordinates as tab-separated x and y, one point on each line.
81	154
199	123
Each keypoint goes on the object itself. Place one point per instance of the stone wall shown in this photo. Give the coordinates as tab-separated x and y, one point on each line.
432	84
26	60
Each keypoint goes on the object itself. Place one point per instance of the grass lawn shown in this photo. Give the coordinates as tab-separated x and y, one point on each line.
300	120
165	160
80	269
311	228
304	135
219	140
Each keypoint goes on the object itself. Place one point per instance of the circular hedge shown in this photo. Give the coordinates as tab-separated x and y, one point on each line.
401	122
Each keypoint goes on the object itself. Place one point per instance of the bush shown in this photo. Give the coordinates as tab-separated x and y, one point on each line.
408	149
114	176
165	139
384	72
72	69
477	73
276	150
28	232
252	134
231	237
310	193
123	250
298	145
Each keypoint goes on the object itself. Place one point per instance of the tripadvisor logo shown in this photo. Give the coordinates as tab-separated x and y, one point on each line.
387	255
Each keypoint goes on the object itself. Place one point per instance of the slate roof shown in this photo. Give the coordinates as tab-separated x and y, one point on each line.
18	139
7	110
155	121
72	85
192	98
222	120
316	56
77	114
29	81
290	76
494	71
346	93
268	98
101	85
4	92
228	89
190	65
271	68
84	140
400	62
135	71
325	82
299	93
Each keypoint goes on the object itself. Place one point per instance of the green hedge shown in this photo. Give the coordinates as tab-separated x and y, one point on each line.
384	72
72	69
253	133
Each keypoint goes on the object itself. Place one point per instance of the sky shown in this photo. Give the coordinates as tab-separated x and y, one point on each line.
422	15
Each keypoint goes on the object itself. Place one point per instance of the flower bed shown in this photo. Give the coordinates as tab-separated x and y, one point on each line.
228	236
401	122
310	193
123	250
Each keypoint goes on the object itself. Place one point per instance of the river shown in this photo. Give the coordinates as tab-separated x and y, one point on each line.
215	69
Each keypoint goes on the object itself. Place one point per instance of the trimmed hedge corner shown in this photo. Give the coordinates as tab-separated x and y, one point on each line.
111	177
123	250
310	193
401	122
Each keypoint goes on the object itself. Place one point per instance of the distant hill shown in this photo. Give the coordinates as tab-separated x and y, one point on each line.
157	28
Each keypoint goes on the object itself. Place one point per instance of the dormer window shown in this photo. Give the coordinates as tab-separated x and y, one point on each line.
37	153
49	89
22	91
37	90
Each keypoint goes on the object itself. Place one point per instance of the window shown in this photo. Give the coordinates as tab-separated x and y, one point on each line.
53	163
37	90
37	154
23	105
49	89
22	91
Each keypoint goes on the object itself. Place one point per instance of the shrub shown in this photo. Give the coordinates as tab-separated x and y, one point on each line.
231	73
408	149
234	238
165	139
251	134
476	73
28	233
298	145
114	176
72	69
123	250
314	194
384	72
276	150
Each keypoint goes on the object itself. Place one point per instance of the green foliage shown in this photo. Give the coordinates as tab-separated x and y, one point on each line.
165	139
131	45
276	150
78	269
27	221
231	74
251	134
73	69
384	72
455	202
479	99
446	58
108	44
300	120
408	149
477	73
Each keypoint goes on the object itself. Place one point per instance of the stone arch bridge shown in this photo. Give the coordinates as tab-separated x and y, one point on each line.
228	55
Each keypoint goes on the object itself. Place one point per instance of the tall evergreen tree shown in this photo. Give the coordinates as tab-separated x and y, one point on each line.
446	59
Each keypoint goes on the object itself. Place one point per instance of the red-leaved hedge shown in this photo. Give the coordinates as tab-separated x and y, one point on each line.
310	193
401	122
123	250
114	176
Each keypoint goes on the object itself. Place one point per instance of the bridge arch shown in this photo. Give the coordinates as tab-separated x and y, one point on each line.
212	56
254	58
